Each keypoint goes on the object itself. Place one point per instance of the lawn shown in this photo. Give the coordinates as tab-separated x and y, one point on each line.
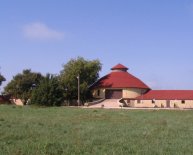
63	130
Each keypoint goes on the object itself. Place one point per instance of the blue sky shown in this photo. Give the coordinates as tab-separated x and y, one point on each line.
154	38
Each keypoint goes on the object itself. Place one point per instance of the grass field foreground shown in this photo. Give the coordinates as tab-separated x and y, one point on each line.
63	130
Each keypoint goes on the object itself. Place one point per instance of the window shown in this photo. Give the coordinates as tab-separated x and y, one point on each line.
98	92
153	101
183	101
138	101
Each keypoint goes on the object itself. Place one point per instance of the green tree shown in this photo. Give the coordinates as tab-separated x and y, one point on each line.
21	85
88	72
1	79
48	93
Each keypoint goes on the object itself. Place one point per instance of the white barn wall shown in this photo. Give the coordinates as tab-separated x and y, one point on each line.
162	104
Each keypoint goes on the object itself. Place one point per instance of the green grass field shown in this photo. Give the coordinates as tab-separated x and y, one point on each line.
63	130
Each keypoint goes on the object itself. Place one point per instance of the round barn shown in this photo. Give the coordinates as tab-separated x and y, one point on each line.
119	84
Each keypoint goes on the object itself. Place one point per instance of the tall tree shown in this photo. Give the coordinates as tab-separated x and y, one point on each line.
1	79
88	72
22	84
48	93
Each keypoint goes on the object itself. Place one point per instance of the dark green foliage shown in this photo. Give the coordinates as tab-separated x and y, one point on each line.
1	79
48	93
88	72
22	84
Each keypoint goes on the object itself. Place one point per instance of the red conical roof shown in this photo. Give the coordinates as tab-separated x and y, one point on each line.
119	79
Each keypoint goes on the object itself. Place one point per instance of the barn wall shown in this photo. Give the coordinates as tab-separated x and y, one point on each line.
127	92
163	104
101	94
143	104
133	92
179	104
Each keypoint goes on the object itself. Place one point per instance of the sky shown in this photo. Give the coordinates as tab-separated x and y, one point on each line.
153	38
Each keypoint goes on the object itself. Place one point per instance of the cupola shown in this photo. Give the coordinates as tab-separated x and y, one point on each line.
119	67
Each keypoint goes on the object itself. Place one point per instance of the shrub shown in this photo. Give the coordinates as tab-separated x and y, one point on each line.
48	93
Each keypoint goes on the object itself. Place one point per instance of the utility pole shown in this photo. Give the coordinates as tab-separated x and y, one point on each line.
78	77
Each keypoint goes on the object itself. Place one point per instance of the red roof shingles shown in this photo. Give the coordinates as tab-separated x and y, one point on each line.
167	95
119	80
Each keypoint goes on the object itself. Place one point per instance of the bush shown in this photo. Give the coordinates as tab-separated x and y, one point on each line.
48	93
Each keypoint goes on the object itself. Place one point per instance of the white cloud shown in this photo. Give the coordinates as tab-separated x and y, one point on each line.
41	31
